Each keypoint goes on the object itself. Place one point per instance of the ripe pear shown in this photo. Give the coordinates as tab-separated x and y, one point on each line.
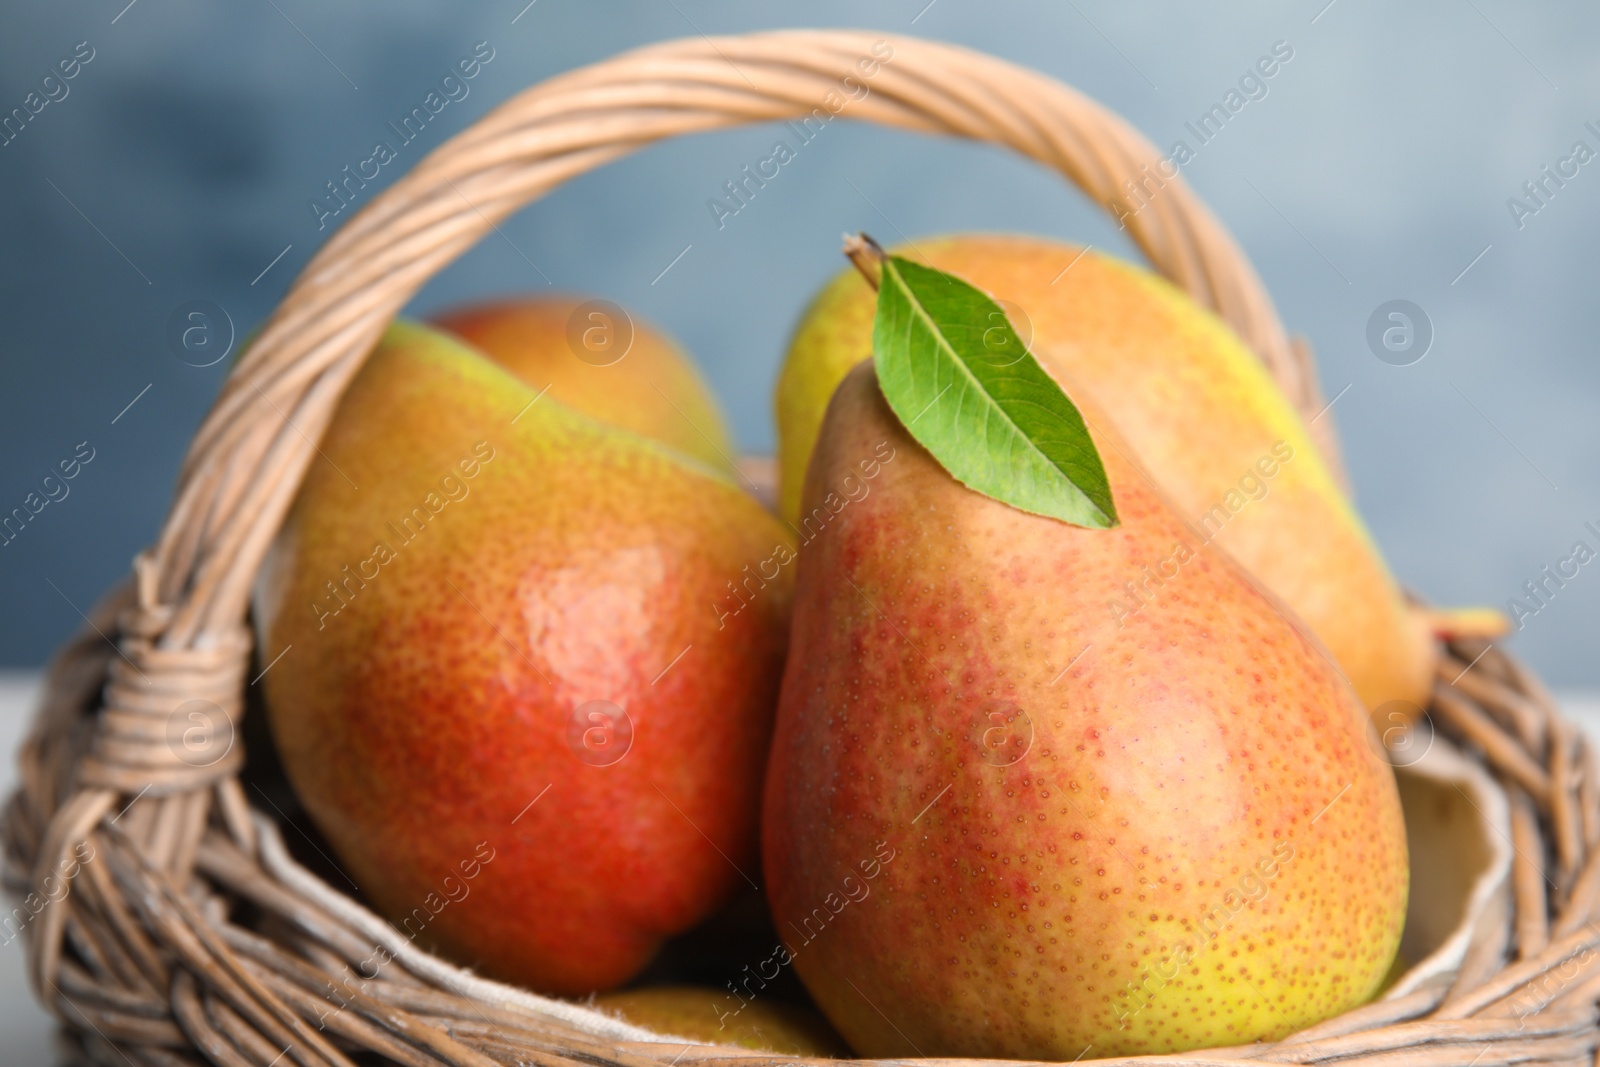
510	676
1007	815
1198	410
702	1014
595	357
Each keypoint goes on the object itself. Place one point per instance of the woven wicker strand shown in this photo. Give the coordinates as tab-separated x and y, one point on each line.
132	861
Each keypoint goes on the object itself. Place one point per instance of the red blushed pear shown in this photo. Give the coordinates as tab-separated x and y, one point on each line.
1133	831
597	358
518	698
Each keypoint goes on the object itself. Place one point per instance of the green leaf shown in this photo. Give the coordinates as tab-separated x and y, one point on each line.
967	388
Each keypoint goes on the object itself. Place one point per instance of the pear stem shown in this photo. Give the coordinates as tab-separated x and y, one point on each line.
867	255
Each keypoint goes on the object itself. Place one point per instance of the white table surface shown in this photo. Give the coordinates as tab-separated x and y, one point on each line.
27	1033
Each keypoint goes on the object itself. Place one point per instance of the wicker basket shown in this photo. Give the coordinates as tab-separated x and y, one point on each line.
136	865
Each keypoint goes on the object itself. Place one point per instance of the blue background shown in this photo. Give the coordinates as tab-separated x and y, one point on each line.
1377	167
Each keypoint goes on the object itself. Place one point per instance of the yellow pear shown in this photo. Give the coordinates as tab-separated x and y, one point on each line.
1199	412
704	1015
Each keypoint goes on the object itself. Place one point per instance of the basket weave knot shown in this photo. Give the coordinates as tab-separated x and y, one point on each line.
169	719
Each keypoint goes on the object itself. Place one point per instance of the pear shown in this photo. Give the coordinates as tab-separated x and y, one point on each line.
1197	409
595	357
1010	813
702	1015
522	668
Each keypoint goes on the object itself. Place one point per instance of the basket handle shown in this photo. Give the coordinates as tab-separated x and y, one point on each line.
247	459
184	635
